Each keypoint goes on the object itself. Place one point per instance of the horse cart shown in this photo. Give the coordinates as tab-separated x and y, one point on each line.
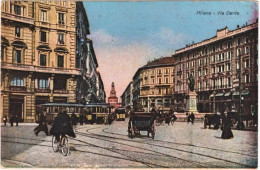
141	121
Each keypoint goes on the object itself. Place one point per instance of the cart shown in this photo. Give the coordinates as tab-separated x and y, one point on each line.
141	121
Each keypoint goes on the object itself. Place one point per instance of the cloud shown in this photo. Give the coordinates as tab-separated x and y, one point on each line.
119	59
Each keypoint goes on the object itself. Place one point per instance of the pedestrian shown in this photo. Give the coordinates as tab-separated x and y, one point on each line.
5	119
81	117
16	119
73	119
12	120
188	117
226	130
42	125
192	117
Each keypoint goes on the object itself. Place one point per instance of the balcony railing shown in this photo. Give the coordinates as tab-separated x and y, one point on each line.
60	91
42	90
18	88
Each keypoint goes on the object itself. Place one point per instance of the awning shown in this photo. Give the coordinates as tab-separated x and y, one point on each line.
227	94
219	94
43	48
211	95
19	44
245	93
236	93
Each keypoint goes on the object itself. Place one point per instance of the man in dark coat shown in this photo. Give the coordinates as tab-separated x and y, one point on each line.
73	119
5	119
81	118
62	126
192	117
16	119
42	125
188	117
227	123
12	120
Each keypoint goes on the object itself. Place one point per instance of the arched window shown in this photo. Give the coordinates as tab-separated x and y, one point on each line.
17	81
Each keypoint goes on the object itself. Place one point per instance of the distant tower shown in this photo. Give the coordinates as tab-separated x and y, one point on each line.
112	99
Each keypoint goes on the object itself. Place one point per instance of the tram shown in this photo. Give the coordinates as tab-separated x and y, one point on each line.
92	113
120	113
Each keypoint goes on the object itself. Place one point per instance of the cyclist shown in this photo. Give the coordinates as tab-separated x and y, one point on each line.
62	126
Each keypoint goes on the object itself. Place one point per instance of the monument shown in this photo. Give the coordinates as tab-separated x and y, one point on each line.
191	105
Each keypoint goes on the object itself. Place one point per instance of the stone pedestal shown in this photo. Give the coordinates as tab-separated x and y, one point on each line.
191	105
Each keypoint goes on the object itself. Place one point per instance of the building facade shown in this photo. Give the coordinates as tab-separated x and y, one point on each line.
156	84
127	96
40	55
215	65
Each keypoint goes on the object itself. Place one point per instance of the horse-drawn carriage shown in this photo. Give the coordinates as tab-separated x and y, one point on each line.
141	121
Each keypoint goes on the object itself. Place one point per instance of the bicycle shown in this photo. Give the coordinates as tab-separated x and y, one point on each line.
62	145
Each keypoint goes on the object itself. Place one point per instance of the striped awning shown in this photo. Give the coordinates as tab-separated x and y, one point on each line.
227	94
219	94
245	93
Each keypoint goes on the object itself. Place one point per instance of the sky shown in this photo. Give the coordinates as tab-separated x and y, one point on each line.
126	35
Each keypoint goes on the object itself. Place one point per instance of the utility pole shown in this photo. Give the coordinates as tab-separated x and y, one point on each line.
240	124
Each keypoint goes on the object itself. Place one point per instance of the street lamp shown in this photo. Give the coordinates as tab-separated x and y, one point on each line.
240	124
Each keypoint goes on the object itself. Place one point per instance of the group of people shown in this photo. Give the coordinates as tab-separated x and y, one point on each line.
13	118
190	117
62	125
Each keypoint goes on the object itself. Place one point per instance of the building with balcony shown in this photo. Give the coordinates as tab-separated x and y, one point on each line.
214	63
42	49
153	84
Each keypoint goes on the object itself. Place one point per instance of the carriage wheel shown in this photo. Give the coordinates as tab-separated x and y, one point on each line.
55	144
153	131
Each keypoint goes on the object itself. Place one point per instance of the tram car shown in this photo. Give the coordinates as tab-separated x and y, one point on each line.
98	113
52	110
92	113
120	113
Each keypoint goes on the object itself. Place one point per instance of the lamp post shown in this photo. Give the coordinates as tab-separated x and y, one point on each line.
240	124
214	102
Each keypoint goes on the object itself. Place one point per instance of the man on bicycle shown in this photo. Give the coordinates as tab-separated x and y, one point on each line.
62	126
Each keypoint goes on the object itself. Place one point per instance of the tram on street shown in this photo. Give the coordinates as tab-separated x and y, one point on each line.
92	113
120	113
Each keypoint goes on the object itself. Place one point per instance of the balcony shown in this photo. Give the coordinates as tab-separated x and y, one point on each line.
60	91
17	18
18	88
42	90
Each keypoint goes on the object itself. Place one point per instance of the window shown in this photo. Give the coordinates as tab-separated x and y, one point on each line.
43	36
60	61
17	10
213	69
61	18
247	63
160	81
159	72
205	71
17	56
247	39
160	91
229	44
237	65
228	66
43	60
166	80
247	78
17	81
199	72
229	55
2	53
43	84
247	50
229	81
17	31
238	52
43	16
60	38
213	59
238	41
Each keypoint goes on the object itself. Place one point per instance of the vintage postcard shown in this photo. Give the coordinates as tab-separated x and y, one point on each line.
129	84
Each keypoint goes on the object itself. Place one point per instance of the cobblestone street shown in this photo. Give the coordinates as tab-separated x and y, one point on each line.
180	145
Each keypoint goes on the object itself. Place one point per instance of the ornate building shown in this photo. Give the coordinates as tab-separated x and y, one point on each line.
153	84
112	99
215	65
41	54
